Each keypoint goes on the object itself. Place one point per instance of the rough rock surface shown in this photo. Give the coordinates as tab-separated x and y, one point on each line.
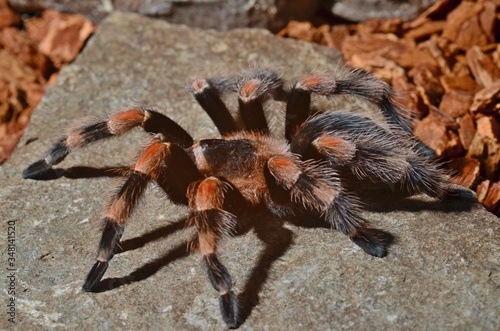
442	273
361	10
213	14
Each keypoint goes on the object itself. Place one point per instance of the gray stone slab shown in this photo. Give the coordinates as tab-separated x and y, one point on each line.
207	14
443	272
361	10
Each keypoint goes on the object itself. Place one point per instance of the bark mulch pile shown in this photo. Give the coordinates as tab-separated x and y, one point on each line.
445	66
32	51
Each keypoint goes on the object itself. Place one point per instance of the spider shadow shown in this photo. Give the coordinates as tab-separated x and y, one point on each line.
149	269
269	229
387	200
276	238
80	172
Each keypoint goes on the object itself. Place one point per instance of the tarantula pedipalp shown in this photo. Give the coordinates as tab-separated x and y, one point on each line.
315	169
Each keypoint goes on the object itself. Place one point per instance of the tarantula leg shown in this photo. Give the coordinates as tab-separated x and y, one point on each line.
253	89
149	166
356	143
117	214
369	151
298	108
207	200
344	215
221	282
307	183
336	150
177	173
111	236
367	158
315	186
424	176
361	83
116	125
207	93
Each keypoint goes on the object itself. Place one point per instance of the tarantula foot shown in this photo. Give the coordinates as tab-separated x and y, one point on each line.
37	170
373	241
461	194
229	308
95	276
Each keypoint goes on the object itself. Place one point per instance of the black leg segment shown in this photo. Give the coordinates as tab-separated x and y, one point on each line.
221	281
111	236
208	96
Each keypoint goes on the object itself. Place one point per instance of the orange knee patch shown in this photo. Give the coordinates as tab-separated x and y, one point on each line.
126	120
151	157
249	90
318	83
209	194
341	149
311	81
284	169
75	140
199	84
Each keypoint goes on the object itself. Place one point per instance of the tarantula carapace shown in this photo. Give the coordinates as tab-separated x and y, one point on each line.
317	168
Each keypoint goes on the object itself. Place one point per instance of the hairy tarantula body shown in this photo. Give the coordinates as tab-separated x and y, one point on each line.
316	169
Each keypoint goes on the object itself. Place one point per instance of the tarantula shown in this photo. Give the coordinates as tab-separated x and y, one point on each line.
315	169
